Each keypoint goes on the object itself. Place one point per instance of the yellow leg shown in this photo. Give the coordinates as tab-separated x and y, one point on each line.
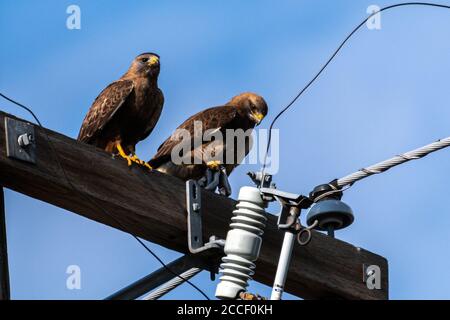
123	154
130	159
147	166
135	159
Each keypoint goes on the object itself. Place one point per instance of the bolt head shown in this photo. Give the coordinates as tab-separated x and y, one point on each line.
25	140
196	207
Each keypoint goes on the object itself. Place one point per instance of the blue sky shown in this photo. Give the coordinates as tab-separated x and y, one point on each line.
386	93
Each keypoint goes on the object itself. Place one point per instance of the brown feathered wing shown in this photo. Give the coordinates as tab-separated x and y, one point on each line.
104	108
216	118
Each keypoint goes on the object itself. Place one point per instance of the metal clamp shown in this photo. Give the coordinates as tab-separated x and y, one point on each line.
216	179
194	221
20	141
289	203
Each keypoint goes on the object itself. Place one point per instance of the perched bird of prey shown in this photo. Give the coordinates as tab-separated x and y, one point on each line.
244	111
126	111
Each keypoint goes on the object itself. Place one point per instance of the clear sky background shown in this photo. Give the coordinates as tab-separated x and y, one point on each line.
386	93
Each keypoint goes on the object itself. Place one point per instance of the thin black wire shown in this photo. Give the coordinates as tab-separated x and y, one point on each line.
97	205
429	4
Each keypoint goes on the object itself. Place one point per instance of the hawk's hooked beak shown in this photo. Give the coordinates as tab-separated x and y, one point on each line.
153	60
257	116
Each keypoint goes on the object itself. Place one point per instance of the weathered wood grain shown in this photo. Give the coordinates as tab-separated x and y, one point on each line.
152	206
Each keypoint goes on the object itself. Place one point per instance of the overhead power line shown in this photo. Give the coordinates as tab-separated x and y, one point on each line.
395	161
356	176
303	90
172	284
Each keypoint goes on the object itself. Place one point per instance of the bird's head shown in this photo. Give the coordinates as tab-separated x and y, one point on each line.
251	105
145	65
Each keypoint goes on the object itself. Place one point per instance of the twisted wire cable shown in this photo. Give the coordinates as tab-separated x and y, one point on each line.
395	161
335	53
172	284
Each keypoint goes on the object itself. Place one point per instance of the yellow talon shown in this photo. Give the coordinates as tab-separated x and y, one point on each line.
213	165
148	166
123	154
141	162
134	158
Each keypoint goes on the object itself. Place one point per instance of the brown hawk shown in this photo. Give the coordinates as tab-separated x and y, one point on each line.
126	111
244	112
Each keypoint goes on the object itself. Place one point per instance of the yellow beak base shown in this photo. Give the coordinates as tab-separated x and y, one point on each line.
153	60
258	116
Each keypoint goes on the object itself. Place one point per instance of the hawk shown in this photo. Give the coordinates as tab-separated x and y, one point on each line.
244	112
126	111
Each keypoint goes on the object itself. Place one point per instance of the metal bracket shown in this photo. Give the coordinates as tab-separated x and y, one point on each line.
216	179
20	143
194	220
288	202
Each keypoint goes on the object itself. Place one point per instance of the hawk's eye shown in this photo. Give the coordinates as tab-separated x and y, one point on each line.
144	60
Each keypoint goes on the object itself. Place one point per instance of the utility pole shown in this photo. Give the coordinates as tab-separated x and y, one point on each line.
4	273
152	205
